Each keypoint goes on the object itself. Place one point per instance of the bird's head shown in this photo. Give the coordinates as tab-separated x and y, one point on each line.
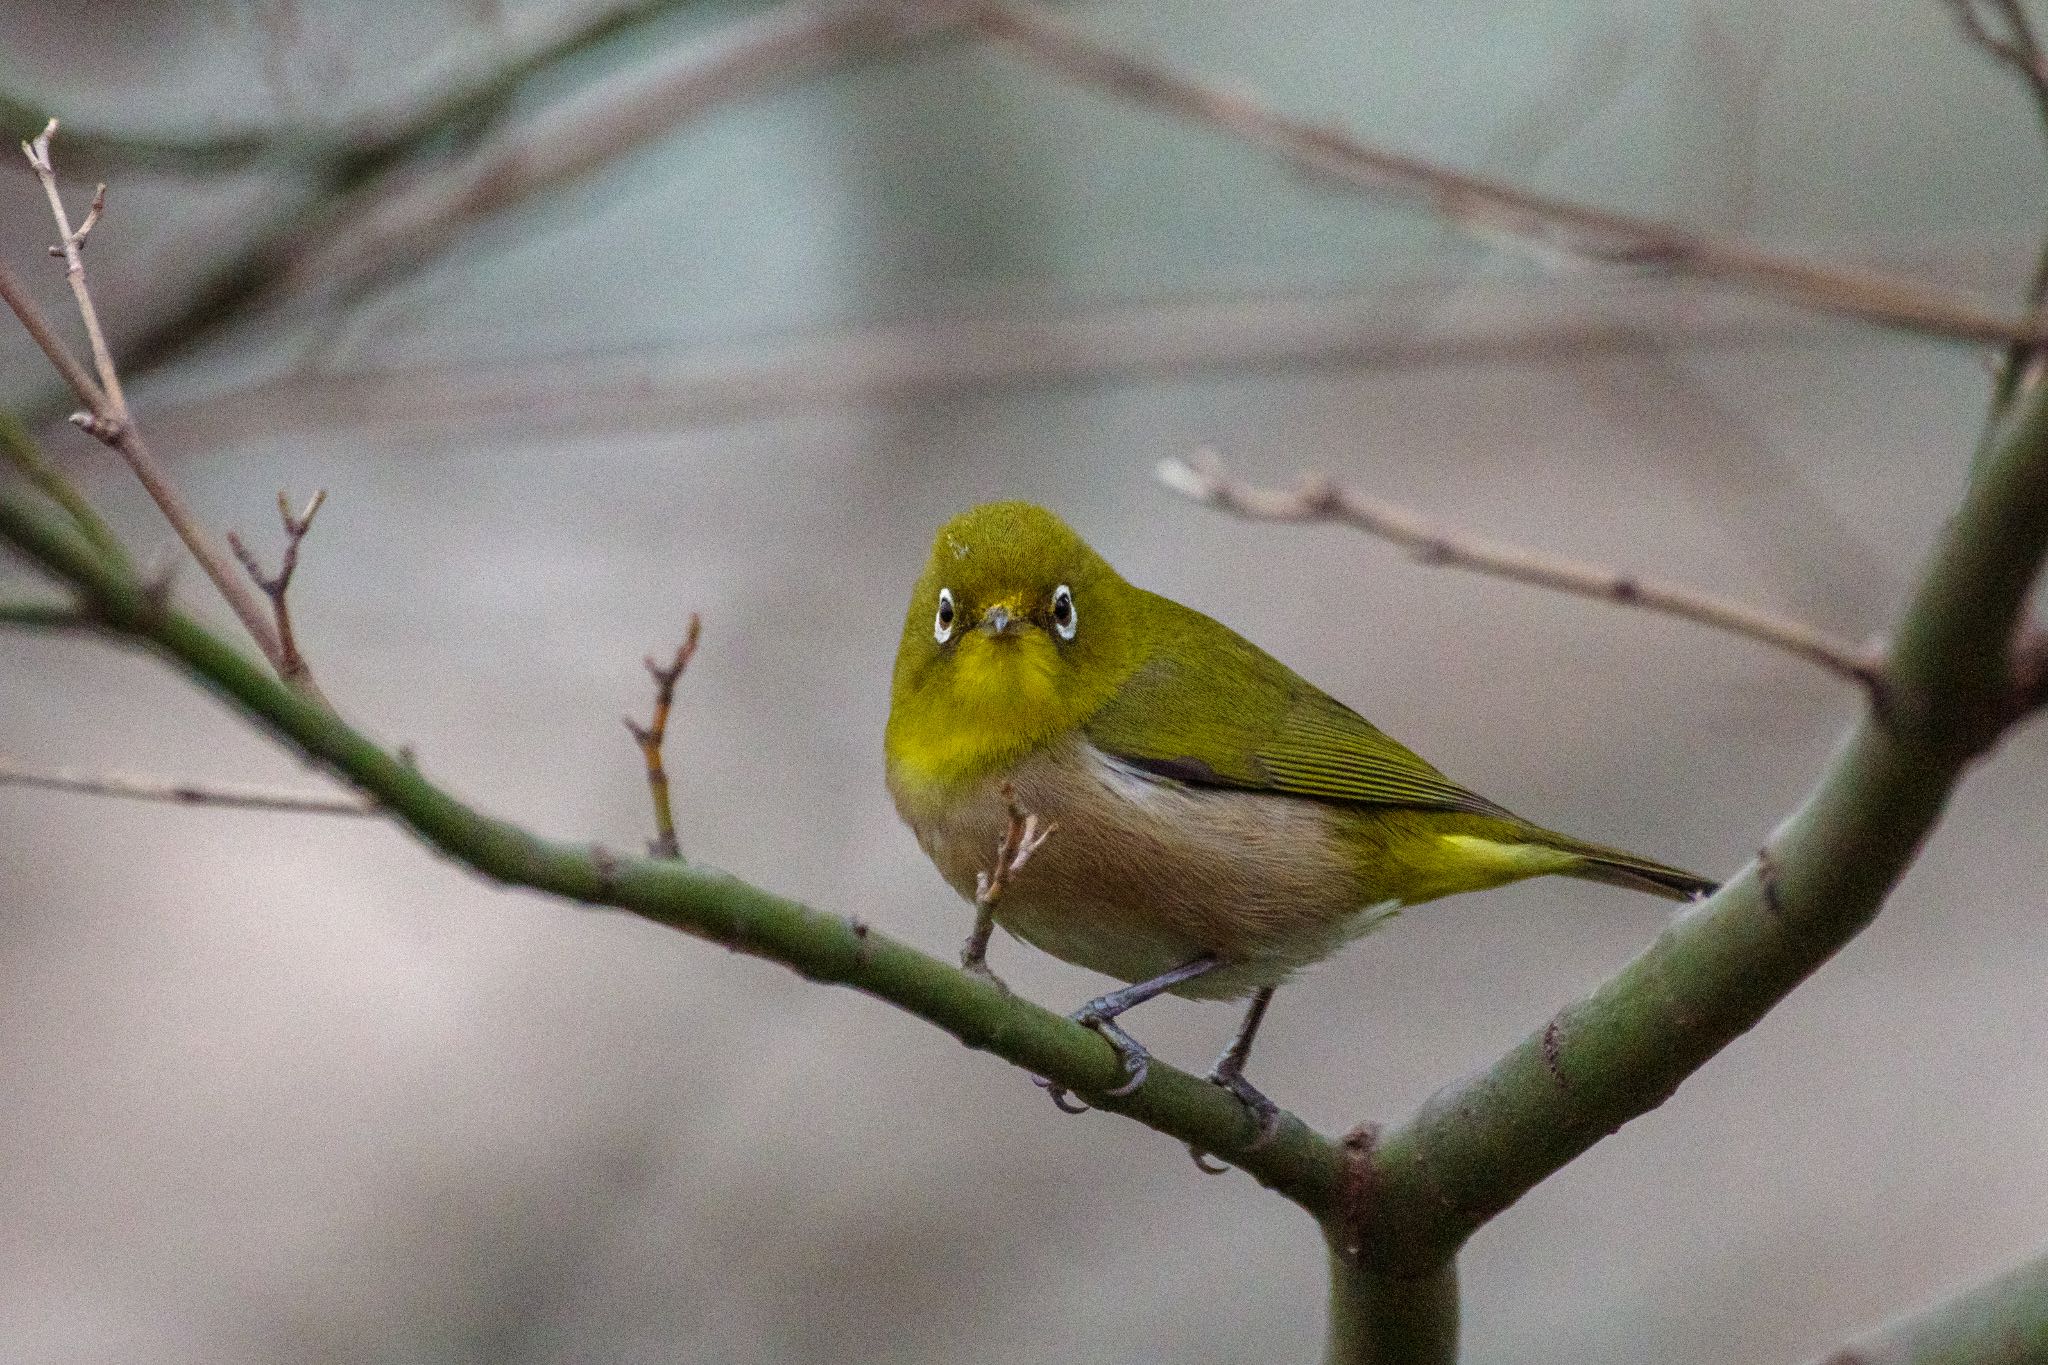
1016	631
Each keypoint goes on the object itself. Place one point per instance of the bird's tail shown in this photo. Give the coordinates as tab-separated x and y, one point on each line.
1616	868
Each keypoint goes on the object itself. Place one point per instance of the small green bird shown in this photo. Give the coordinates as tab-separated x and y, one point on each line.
1220	821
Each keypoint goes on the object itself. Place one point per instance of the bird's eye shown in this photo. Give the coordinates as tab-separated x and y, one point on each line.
942	624
1063	618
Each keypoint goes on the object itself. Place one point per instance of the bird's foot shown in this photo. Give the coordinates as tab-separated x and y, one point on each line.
1137	1062
979	967
1263	1112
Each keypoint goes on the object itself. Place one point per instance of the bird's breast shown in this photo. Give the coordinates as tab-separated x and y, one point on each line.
1140	874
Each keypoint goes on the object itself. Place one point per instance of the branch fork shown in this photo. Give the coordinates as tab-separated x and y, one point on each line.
106	417
292	665
651	736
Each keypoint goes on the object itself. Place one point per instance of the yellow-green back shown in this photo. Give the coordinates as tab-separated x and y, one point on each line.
994	665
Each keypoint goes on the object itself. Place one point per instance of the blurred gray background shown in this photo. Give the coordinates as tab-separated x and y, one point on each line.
292	1088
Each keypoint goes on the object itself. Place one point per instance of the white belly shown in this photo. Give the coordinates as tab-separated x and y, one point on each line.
1141	875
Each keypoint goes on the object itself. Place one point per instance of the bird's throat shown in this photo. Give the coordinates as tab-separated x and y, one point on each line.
998	700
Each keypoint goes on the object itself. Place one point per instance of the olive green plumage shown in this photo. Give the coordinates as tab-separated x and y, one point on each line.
1209	801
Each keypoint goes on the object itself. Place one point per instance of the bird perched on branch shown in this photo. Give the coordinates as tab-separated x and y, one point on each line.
1220	821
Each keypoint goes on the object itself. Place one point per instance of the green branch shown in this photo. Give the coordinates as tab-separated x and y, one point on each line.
2003	1321
1396	1210
19	450
1299	1163
1948	691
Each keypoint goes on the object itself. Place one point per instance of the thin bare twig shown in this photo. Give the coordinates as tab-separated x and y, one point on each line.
1022	837
14	774
75	240
1316	498
45	337
651	735
291	665
107	417
1488	209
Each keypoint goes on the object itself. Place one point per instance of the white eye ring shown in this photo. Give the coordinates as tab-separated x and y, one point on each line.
1064	617
942	624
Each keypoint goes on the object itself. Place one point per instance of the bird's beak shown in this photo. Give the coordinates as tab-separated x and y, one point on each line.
998	621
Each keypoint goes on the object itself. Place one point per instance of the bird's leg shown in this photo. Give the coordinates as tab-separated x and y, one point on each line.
1229	1073
1100	1014
974	952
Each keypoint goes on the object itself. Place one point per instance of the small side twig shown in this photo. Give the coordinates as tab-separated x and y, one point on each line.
651	735
1023	836
140	788
107	417
291	664
1316	498
75	239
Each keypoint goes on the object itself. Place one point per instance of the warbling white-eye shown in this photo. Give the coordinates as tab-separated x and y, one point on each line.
1220	822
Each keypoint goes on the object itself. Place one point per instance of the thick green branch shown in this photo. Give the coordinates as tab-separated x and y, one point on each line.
2003	1321
1480	1144
1298	1162
1378	1318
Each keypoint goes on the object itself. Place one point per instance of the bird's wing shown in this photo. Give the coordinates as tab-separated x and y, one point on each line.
1211	709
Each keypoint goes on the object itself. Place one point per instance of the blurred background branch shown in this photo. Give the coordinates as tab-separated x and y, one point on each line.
1316	498
180	793
370	200
1543	224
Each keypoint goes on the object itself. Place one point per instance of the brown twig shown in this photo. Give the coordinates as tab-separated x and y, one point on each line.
1022	837
45	337
1316	498
14	774
107	417
1488	209
75	240
650	737
291	665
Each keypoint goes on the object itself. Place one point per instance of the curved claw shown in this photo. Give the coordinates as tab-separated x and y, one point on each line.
1203	1160
1061	1097
1136	1060
1063	1103
1137	1068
